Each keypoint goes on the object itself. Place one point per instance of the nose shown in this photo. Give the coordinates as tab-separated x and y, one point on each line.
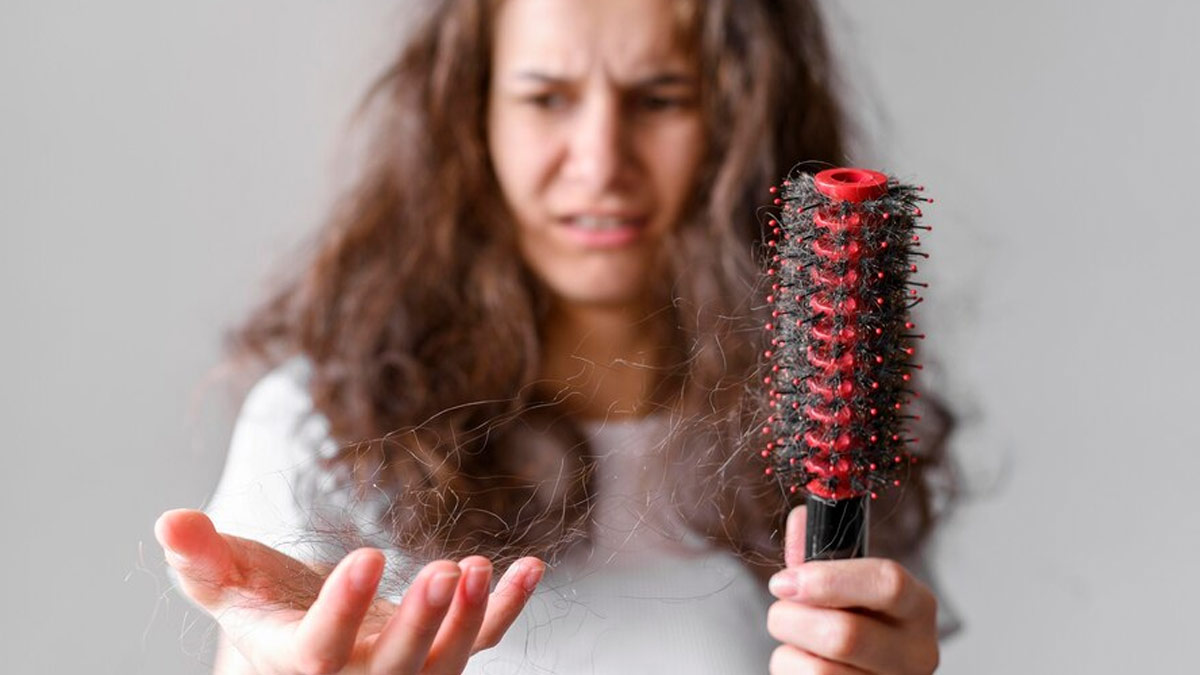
598	148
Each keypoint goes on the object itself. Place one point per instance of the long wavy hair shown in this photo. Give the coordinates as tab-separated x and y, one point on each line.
423	327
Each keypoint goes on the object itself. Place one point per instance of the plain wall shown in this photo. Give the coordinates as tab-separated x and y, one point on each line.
158	159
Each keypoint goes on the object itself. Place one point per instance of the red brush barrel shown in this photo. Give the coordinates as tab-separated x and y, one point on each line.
830	353
842	250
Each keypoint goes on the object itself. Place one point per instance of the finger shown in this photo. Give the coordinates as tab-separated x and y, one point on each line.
202	557
403	644
457	634
835	635
793	540
508	600
875	584
787	660
325	636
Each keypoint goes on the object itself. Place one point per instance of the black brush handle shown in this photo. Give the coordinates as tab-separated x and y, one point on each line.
837	529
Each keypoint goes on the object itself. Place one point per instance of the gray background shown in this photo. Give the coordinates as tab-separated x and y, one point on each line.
157	159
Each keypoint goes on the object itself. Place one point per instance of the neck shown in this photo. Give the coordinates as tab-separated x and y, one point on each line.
603	362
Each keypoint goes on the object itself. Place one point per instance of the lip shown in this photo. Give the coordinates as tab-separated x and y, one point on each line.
630	228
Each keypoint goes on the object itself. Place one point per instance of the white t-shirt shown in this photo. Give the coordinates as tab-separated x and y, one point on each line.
645	597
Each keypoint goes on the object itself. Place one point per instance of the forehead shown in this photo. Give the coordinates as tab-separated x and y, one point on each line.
624	38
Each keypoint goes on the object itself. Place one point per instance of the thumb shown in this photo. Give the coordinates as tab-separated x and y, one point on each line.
201	556
793	539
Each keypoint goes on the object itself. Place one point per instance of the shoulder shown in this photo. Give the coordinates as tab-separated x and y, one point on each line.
278	417
280	399
277	443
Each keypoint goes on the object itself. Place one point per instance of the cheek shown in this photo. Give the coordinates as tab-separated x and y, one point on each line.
521	155
676	154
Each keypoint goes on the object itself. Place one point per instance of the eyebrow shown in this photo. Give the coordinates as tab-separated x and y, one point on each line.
658	80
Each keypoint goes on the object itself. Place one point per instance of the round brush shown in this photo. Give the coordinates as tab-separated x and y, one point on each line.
842	251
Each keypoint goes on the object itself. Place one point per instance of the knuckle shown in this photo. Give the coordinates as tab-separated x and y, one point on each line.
779	659
927	660
777	619
841	637
816	579
892	582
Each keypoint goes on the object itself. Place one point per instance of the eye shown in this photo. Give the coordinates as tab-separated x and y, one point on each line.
549	100
663	102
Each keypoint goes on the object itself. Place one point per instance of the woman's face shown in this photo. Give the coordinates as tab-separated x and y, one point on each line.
595	135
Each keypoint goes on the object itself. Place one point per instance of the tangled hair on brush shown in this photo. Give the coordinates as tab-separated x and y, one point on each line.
423	327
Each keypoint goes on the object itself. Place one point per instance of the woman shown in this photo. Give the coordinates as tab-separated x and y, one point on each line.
548	263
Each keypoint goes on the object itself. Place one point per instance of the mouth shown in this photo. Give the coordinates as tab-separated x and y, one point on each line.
604	230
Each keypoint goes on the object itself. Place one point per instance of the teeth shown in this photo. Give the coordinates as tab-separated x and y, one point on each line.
597	222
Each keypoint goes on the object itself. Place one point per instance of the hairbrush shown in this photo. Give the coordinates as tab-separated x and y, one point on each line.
841	255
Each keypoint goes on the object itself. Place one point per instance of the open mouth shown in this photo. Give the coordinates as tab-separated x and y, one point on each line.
604	231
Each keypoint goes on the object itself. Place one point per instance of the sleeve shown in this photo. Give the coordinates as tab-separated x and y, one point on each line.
270	489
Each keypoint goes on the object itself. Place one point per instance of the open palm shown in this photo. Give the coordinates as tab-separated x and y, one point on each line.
284	617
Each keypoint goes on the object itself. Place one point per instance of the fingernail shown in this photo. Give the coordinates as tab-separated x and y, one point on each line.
533	577
364	573
514	572
441	587
476	586
782	585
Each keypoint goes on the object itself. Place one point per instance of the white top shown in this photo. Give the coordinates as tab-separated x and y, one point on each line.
646	597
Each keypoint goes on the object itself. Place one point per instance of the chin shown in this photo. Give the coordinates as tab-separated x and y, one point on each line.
597	295
608	281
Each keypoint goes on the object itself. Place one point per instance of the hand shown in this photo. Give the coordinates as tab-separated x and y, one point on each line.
867	615
286	618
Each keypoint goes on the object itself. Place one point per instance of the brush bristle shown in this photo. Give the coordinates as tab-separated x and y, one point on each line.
840	362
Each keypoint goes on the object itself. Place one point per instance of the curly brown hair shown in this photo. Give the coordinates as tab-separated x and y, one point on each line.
424	328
